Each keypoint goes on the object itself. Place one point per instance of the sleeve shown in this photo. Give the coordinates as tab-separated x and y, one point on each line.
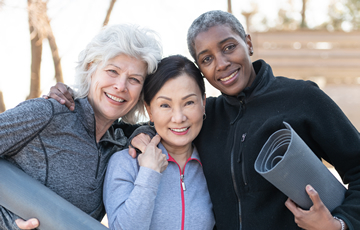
18	126
7	219
127	128
147	129
22	123
338	142
129	193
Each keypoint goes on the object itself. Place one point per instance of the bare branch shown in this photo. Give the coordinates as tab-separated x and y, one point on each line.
107	18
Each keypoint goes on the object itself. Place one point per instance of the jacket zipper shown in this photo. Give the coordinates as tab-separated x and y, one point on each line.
99	152
98	164
234	181
243	159
182	188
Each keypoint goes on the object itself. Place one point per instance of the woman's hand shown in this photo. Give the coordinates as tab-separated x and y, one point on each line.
63	94
318	217
153	157
28	224
140	142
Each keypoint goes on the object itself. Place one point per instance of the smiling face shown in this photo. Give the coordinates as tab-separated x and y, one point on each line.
115	88
177	112
224	59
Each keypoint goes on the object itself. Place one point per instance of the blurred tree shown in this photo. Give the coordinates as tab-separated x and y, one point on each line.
345	12
229	6
37	33
303	14
107	18
39	26
2	104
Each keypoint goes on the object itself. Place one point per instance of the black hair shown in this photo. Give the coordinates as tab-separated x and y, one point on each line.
170	68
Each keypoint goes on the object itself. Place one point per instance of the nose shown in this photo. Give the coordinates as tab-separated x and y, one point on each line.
178	116
222	63
120	83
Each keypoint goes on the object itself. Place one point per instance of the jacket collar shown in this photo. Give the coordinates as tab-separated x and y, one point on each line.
194	155
264	76
87	118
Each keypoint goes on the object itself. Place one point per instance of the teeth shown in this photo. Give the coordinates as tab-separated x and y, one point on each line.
227	78
179	130
114	98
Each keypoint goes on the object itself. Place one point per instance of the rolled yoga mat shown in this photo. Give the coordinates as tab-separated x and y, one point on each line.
289	164
28	198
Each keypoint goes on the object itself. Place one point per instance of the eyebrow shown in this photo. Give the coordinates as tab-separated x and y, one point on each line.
221	42
136	74
169	99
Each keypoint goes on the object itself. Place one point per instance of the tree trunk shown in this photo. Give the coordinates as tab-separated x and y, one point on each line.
107	18
303	15
36	51
2	104
55	55
229	6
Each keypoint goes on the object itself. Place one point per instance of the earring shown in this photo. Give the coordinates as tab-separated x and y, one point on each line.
204	117
251	52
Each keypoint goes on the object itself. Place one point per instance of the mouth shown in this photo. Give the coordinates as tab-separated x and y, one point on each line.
180	131
229	77
117	99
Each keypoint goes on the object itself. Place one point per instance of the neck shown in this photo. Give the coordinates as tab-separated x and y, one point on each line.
102	126
180	154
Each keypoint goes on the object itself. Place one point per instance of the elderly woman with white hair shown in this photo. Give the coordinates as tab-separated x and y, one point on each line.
61	148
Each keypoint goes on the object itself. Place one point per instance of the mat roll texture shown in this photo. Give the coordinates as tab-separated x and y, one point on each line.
289	164
28	198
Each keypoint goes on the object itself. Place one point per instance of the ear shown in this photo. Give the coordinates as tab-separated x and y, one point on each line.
249	44
148	110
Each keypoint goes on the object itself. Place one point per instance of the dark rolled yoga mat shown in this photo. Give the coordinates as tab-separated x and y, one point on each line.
289	164
28	198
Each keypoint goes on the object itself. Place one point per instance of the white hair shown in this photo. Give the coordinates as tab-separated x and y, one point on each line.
131	40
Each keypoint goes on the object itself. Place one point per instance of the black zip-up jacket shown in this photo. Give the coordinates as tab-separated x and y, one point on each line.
235	130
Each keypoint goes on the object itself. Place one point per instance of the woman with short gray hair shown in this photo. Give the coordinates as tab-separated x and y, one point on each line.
61	148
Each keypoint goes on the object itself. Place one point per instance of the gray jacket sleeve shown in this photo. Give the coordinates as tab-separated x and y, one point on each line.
7	219
18	126
22	123
129	192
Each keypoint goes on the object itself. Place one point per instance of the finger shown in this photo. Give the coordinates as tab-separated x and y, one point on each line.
292	207
29	224
156	140
140	142
66	91
60	97
132	152
45	96
314	196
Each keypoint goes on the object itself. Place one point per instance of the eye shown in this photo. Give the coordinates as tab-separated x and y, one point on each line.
112	72
164	106
135	80
189	102
229	47
206	59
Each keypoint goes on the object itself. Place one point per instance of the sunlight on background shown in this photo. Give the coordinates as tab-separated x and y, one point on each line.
75	22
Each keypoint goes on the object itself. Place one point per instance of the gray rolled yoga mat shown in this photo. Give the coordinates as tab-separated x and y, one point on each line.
28	198
289	164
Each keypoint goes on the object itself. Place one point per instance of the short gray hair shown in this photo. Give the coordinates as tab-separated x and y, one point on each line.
209	19
131	40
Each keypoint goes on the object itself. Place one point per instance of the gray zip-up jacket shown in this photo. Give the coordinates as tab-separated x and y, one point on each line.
140	198
58	147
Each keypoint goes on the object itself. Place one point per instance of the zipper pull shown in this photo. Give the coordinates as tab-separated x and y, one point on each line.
182	182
